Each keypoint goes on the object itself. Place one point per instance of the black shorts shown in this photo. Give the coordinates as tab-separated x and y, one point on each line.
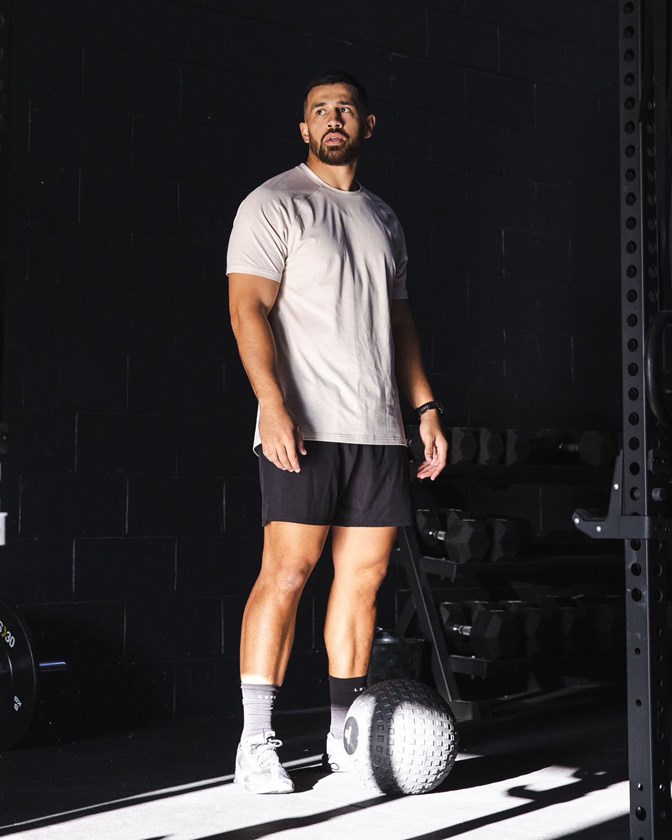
348	484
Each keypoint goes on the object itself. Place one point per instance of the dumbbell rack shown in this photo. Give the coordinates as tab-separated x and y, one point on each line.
423	569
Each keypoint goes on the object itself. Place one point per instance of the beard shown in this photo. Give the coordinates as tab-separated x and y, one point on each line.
348	152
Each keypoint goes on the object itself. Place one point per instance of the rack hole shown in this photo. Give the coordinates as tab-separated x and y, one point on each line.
633	393
635	545
630	199
634	468
636	594
635	494
636	569
633	417
632	370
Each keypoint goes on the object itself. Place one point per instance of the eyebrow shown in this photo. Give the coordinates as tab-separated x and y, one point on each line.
340	102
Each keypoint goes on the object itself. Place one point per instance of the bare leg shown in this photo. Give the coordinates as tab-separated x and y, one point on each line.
361	557
291	551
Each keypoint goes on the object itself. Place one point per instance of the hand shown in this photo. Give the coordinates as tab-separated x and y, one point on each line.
281	439
436	446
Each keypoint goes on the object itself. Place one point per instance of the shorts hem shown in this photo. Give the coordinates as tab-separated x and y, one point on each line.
330	524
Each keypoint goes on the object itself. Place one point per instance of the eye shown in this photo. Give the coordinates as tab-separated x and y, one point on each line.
320	111
346	108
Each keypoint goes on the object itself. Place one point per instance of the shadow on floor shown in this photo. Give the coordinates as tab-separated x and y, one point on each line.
51	785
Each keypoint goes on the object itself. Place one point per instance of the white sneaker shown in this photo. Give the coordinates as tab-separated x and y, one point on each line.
258	767
335	756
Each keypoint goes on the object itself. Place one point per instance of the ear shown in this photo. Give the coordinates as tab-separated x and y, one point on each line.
370	125
303	128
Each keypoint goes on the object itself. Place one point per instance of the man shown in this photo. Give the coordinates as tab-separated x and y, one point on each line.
317	269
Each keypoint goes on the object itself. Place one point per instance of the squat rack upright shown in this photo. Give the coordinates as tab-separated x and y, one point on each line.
639	509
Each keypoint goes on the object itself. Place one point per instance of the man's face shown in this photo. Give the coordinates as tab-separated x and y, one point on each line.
334	124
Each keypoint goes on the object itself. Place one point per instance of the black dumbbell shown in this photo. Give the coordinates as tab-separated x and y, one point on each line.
504	537
494	633
517	447
596	449
462	446
490	447
542	628
576	628
463	538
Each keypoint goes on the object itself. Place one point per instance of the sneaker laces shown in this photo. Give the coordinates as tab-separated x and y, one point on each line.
265	752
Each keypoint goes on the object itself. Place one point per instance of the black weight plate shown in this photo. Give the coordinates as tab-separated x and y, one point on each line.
18	678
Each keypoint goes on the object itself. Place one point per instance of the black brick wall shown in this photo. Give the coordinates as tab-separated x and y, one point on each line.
136	128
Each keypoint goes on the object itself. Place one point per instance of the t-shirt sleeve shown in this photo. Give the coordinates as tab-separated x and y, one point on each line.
258	241
399	283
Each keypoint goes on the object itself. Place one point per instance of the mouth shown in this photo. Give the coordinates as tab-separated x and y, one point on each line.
334	138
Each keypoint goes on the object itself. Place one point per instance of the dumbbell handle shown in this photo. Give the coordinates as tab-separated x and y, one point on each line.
460	629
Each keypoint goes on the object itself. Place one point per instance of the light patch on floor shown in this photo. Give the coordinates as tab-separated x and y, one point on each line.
545	805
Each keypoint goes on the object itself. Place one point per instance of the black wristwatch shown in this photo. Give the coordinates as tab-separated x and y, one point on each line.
428	406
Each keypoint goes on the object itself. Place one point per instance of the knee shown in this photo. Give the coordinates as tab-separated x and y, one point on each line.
370	576
287	577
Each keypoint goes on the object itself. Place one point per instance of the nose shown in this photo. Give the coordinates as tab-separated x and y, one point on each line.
335	119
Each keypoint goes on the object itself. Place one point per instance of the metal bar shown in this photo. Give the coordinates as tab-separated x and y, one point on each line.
430	623
641	493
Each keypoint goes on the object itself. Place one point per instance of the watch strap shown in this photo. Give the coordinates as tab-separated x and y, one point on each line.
428	406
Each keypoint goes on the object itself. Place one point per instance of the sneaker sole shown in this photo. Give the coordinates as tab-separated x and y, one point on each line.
248	788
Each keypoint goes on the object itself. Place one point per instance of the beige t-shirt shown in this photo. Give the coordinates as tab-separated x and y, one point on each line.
340	257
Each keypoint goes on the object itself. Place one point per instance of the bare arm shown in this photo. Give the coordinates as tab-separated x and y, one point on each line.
415	386
251	299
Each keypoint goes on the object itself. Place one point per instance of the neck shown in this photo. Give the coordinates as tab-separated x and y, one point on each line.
340	177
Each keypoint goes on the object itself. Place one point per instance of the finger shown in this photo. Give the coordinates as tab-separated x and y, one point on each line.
424	470
293	459
281	461
442	452
299	442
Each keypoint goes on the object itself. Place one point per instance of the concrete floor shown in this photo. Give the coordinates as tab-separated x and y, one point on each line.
543	769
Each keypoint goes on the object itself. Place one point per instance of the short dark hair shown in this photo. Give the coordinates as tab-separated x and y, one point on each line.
335	77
